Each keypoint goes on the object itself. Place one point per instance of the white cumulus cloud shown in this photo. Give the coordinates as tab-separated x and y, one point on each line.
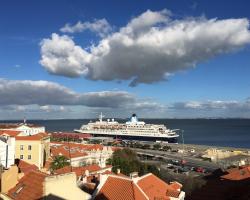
62	56
99	26
148	49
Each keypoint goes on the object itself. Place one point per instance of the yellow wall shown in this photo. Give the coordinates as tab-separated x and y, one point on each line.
39	149
60	185
9	178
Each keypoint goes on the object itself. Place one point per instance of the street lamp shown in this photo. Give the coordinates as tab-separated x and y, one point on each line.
182	138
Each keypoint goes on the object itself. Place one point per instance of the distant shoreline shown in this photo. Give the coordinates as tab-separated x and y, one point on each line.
213	133
204	147
215	118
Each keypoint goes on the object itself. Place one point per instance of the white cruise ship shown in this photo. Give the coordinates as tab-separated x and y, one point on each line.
131	130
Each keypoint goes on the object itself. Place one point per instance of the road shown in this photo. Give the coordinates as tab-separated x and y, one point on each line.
191	161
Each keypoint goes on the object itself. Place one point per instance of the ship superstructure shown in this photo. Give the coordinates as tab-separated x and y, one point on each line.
131	130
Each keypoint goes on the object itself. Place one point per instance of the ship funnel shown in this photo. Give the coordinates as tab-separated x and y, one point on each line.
134	118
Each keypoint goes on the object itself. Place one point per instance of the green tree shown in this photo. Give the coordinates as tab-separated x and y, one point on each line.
146	146
157	146
166	148
138	145
127	161
59	162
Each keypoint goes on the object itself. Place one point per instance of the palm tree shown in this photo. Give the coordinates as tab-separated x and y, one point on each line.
59	162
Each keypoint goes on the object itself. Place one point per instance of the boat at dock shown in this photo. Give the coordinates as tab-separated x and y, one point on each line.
131	130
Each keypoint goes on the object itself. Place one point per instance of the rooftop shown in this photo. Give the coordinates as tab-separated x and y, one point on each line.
81	170
10	133
146	187
156	188
38	136
76	150
24	166
13	133
64	150
117	188
29	187
16	125
87	147
238	173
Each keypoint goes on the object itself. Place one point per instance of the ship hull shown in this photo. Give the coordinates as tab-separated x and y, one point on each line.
171	139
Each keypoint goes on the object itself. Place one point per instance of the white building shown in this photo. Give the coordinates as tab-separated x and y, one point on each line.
7	150
26	129
81	154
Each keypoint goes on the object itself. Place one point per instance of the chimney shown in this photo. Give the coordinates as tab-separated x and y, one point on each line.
103	178
133	175
118	171
87	173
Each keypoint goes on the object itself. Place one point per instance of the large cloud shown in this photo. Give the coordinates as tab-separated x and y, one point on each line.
148	49
45	93
62	56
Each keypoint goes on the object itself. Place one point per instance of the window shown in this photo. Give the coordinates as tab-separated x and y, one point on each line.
21	147
29	157
29	147
21	157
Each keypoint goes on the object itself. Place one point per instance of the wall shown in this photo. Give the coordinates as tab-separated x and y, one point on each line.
9	178
63	186
34	152
39	149
26	130
7	150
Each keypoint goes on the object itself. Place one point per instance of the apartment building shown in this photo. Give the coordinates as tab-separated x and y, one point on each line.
33	149
7	148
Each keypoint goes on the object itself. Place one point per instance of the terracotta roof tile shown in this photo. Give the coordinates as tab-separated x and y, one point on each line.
156	188
76	150
80	170
175	185
172	193
24	166
87	147
64	150
29	187
238	174
118	188
9	132
38	136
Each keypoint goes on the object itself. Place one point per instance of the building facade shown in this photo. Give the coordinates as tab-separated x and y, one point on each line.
7	150
34	149
24	128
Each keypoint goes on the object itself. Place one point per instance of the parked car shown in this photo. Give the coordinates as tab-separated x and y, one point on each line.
193	169
200	170
175	162
192	151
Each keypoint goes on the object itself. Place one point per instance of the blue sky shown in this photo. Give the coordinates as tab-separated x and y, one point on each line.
201	72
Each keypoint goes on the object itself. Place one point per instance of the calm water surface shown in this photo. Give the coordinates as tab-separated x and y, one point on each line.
218	132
